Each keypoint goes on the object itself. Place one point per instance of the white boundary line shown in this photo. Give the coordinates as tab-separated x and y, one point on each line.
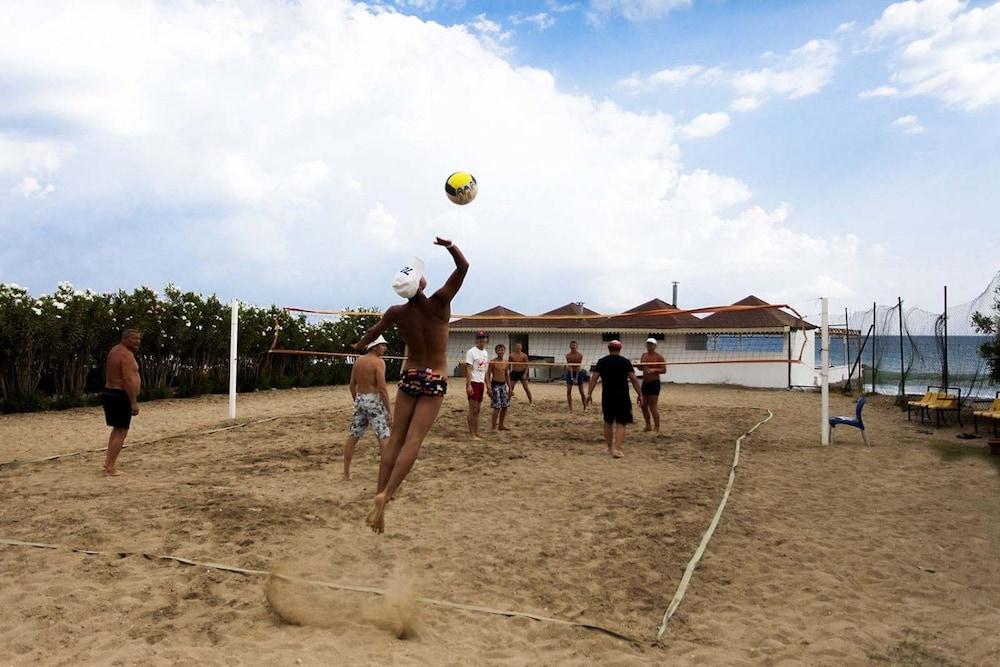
693	563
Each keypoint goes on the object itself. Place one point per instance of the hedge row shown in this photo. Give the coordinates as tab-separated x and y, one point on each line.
52	347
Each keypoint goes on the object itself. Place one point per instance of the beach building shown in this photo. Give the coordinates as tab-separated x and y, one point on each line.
762	346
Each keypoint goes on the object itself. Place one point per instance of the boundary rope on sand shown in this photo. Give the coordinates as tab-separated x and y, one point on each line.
185	434
693	563
325	584
174	436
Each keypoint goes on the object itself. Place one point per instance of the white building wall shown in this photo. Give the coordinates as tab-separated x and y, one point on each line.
555	345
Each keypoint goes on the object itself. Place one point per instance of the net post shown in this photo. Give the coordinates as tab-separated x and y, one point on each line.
233	332
824	374
902	365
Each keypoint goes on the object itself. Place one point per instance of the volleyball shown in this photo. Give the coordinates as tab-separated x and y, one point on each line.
461	187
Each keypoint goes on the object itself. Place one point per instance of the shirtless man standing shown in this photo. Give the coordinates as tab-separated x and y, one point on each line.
575	375
518	371
120	395
371	400
653	364
423	323
498	380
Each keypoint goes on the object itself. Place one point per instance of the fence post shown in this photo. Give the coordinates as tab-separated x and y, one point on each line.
944	368
233	332
874	340
902	365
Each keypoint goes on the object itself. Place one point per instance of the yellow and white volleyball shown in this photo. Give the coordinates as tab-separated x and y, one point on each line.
461	187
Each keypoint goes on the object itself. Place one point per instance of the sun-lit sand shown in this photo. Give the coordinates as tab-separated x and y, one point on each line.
823	556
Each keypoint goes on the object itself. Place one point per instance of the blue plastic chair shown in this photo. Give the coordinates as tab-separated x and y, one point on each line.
856	422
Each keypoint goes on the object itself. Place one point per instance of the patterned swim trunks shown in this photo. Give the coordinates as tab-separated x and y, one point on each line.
423	382
369	409
499	395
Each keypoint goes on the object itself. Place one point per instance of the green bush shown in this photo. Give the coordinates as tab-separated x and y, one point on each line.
52	348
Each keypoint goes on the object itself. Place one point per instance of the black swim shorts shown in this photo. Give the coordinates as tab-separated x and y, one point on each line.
651	388
117	408
617	412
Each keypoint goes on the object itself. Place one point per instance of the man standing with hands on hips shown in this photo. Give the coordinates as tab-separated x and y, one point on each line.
477	359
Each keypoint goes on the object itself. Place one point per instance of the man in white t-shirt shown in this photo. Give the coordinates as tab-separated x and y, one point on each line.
477	359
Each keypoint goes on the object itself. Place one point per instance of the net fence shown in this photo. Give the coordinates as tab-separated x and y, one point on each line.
900	350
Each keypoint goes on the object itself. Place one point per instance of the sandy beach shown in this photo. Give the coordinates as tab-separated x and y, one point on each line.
837	555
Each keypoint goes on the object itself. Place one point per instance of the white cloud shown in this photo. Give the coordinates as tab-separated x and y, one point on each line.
845	27
881	91
491	34
744	104
430	5
30	188
258	133
914	17
909	125
944	50
541	21
634	10
560	7
802	72
704	125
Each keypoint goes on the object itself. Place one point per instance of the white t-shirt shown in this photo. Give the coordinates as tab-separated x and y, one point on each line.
477	360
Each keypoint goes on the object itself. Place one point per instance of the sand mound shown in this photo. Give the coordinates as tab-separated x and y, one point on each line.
298	602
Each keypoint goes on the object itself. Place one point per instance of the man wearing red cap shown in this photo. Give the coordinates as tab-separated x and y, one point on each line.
616	373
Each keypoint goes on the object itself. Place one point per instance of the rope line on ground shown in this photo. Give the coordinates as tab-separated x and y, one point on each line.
693	563
325	584
183	434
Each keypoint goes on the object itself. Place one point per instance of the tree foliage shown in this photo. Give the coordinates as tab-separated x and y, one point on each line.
988	324
52	347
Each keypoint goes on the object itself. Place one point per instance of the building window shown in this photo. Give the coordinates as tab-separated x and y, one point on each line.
695	341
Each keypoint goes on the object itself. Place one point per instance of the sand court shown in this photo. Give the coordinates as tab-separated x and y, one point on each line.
835	555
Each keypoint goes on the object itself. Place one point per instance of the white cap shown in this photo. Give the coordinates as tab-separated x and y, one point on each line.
651	340
378	341
407	281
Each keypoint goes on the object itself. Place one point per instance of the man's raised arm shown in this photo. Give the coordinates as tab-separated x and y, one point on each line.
451	286
388	319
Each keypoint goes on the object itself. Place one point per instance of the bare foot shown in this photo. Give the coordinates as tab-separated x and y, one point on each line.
112	472
647	429
347	477
504	428
376	518
617	454
476	437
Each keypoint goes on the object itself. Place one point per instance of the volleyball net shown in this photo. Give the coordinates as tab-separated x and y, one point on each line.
715	337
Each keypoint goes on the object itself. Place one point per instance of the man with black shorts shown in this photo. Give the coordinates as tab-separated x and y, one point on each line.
575	375
519	370
120	396
615	373
653	364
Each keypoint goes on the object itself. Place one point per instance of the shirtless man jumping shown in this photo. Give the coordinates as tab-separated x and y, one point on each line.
120	395
653	365
518	371
371	400
423	323
498	382
575	375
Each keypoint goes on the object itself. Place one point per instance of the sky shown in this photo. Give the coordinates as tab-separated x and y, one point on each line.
295	152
